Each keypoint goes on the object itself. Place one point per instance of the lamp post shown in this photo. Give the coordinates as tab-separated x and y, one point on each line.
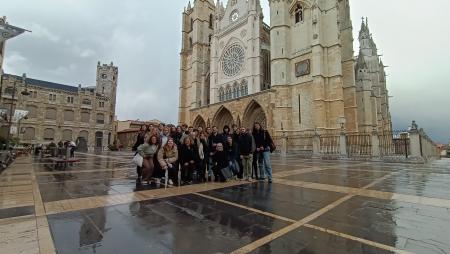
18	126
11	112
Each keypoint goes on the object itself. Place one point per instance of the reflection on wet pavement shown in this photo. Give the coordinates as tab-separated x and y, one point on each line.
412	227
287	201
95	206
185	224
306	240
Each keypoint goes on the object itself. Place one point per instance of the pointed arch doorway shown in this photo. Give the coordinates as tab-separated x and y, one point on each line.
223	117
199	122
254	113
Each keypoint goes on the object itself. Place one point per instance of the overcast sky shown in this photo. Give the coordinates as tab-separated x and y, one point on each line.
143	39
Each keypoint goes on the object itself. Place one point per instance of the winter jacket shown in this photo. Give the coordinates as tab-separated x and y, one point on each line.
169	156
220	159
187	154
232	151
246	144
214	139
147	150
262	139
139	141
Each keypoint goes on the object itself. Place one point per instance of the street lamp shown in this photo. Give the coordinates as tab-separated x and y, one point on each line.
11	112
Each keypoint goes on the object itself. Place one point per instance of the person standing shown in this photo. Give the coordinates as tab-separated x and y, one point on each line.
205	165
187	160
165	135
148	151
246	149
263	142
232	151
168	160
140	139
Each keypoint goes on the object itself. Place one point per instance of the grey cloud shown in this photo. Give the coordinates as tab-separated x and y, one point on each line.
143	39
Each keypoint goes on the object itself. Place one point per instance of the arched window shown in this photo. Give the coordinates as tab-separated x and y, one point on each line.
209	39
235	91
190	43
85	117
298	13
9	90
210	21
32	111
67	135
50	114
49	134
221	94
84	135
68	115
100	118
29	133
87	102
192	24
228	93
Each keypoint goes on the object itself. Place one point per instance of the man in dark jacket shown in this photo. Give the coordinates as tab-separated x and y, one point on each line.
263	142
246	149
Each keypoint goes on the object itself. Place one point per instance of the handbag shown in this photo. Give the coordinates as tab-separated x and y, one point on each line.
226	172
138	160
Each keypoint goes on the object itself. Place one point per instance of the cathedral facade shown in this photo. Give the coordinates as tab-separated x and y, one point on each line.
299	74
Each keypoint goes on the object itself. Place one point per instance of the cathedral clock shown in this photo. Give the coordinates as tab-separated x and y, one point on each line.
234	15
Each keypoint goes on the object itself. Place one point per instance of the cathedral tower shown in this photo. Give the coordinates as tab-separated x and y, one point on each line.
106	85
312	65
376	74
197	25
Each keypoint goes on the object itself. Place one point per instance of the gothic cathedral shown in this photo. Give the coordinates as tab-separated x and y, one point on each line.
298	74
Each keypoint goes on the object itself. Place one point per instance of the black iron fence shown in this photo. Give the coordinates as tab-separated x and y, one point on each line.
394	143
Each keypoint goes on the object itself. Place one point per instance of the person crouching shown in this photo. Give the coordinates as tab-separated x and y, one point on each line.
168	159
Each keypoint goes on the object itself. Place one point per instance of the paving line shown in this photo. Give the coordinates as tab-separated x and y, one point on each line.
45	240
275	216
106	157
357	239
427	201
83	171
62	206
264	240
246	208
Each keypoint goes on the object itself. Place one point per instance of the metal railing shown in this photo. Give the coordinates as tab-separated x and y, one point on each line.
394	143
359	144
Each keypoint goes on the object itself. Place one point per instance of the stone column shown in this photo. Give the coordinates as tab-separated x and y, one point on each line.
414	143
284	144
375	144
316	145
343	144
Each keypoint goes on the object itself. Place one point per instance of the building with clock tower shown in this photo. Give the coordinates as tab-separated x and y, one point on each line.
60	112
295	76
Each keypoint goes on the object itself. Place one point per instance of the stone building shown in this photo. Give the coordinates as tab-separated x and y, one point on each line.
62	112
294	76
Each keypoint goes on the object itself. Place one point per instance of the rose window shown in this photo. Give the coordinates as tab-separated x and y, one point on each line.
232	60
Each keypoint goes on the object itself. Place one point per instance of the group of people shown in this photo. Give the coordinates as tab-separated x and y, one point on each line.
203	154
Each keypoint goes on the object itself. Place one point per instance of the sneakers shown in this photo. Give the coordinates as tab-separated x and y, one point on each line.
158	181
170	182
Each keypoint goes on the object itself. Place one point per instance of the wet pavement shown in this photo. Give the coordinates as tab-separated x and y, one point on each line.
95	206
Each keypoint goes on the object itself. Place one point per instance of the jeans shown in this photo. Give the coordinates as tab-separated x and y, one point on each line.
247	166
264	165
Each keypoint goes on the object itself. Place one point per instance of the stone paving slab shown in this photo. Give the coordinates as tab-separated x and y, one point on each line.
95	206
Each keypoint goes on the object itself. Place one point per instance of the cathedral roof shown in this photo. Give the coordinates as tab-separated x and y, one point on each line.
45	84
